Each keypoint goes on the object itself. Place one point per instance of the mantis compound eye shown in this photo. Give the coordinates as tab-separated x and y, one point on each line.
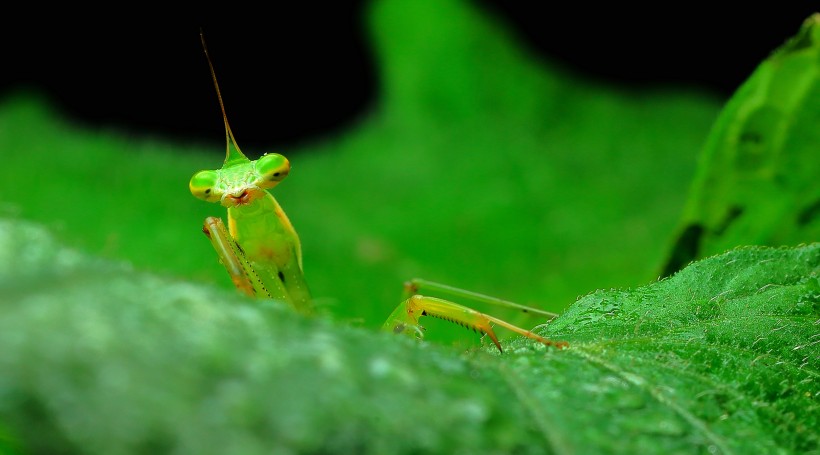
203	184
272	169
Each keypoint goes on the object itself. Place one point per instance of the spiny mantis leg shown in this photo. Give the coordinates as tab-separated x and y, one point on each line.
405	318
230	254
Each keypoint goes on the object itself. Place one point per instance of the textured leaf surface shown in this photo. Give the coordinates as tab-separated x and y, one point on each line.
721	358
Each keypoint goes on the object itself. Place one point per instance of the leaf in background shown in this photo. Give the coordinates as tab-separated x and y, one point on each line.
99	359
758	181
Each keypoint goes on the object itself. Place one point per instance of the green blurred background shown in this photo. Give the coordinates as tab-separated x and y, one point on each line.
448	146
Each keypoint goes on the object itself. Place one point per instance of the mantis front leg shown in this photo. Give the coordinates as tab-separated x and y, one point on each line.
233	258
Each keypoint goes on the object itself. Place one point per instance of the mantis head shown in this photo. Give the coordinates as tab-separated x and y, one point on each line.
239	181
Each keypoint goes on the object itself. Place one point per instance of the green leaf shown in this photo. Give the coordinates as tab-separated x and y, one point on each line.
758	181
98	358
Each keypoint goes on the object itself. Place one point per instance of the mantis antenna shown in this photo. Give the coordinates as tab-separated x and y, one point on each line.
232	152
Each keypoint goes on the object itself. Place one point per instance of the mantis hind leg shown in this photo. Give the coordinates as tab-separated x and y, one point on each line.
405	318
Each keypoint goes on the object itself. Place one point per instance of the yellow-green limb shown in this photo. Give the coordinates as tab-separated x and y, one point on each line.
232	256
405	319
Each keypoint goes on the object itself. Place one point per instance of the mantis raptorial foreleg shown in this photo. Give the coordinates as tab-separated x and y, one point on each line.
233	258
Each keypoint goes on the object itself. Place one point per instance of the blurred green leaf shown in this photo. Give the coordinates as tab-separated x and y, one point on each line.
98	358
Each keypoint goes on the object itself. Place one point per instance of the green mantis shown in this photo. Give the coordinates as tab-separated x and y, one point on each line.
261	250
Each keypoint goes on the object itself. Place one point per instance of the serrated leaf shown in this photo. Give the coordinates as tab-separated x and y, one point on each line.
97	358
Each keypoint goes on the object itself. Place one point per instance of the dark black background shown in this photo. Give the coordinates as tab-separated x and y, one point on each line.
289	73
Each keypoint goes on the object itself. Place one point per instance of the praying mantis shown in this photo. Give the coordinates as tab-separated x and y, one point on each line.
262	253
